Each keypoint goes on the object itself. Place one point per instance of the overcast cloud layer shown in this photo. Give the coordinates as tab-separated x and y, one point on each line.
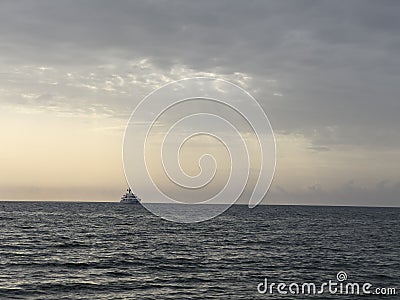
328	71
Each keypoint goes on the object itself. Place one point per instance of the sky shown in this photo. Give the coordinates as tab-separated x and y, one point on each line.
326	73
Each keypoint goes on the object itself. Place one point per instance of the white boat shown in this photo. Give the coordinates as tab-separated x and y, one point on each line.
130	198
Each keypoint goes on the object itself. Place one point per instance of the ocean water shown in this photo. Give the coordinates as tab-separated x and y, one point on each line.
115	251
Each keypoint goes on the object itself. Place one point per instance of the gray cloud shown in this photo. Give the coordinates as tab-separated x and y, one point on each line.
381	193
335	65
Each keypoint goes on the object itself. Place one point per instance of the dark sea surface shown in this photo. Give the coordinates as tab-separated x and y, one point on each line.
116	251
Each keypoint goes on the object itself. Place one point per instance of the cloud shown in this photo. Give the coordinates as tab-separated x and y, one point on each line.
319	148
334	65
350	193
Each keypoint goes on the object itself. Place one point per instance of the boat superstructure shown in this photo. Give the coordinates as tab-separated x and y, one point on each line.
130	197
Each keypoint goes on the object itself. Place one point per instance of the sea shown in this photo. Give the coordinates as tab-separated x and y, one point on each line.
87	250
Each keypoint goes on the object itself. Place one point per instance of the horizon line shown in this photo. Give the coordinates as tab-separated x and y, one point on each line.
241	204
